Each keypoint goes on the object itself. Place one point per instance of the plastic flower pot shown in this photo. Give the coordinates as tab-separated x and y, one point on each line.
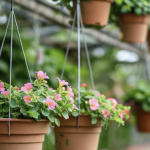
143	119
95	12
69	137
26	134
133	28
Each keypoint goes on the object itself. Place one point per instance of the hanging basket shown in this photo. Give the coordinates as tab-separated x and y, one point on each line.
95	12
26	134
133	28
143	119
69	137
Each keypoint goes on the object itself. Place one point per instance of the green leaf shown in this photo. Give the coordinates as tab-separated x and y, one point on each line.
75	114
45	112
2	96
37	93
23	111
65	114
17	93
94	121
30	104
41	99
146	106
33	114
51	116
57	122
14	103
2	102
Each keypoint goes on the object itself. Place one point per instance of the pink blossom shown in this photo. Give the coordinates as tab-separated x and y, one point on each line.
127	111
113	102
57	97
51	89
27	87
41	75
2	86
84	85
121	114
91	90
5	93
93	104
51	104
27	98
61	83
71	94
98	94
16	88
105	113
74	106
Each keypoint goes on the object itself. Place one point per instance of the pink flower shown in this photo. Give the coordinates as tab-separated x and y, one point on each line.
105	113
74	106
91	90
2	86
121	114
93	104
113	102
72	101
57	97
27	87
61	83
71	94
84	85
27	98
127	111
5	93
98	94
51	104
16	88
41	75
51	89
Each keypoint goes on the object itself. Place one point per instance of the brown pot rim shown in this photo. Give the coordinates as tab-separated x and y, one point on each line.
123	18
22	120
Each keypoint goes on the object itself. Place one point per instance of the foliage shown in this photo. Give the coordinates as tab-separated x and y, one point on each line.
140	95
138	7
36	101
98	107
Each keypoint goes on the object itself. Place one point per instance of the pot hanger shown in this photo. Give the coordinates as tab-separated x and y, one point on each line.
13	19
79	24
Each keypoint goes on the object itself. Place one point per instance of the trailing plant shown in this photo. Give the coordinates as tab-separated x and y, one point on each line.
139	95
137	7
99	108
36	100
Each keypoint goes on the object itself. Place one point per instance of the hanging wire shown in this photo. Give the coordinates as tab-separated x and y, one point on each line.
68	46
87	54
5	34
12	12
22	48
78	25
146	60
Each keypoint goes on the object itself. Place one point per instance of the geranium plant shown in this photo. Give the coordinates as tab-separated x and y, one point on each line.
37	101
139	95
98	107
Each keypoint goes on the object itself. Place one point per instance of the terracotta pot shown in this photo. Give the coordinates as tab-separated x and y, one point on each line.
133	28
143	119
26	134
95	12
69	137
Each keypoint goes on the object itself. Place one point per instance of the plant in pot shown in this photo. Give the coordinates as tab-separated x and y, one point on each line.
139	97
33	107
132	18
82	130
94	12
